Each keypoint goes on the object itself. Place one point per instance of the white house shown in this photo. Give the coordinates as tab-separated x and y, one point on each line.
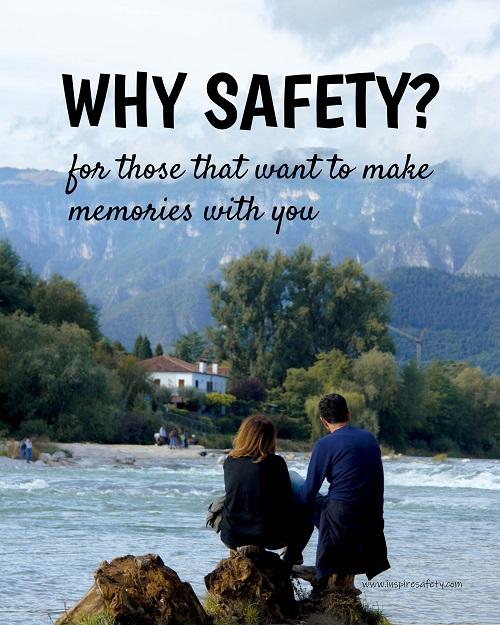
177	374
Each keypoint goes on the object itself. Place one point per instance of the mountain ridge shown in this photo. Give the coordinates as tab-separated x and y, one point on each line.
136	272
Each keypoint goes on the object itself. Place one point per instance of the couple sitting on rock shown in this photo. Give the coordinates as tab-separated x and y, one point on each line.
268	507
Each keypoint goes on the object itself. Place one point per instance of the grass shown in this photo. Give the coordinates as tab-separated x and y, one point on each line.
244	614
225	441
387	451
251	614
101	618
287	444
9	448
353	611
374	616
440	457
217	441
213	609
43	445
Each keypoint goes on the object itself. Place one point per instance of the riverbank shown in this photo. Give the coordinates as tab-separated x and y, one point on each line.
97	454
108	455
94	454
130	453
135	455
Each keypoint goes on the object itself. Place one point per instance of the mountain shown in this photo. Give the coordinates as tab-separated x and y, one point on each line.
151	277
459	313
485	259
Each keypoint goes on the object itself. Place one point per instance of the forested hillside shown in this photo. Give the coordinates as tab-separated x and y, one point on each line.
460	313
290	327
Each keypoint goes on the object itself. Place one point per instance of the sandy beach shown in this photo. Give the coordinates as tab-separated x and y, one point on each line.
130	454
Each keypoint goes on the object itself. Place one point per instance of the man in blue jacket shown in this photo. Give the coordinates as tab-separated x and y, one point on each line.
350	518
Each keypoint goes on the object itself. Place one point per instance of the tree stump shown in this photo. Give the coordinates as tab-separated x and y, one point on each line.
252	579
139	591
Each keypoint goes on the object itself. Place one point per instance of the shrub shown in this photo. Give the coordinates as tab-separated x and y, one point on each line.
192	398
173	410
139	427
69	428
248	389
161	394
220	399
290	427
217	441
35	427
228	424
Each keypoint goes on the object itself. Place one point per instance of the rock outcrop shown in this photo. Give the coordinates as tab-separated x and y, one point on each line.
139	591
251	579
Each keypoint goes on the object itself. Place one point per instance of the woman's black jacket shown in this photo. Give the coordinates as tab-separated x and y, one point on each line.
258	502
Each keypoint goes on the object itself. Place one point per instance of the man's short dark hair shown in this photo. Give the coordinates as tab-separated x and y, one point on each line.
333	408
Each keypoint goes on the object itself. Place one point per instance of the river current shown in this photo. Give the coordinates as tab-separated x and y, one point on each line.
58	523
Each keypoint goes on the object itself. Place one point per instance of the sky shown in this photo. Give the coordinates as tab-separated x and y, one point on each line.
457	40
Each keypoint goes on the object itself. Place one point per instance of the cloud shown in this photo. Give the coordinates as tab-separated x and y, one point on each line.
336	25
458	40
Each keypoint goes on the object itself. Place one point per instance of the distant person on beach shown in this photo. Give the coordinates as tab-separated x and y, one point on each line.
350	518
22	449
173	434
29	449
163	436
258	508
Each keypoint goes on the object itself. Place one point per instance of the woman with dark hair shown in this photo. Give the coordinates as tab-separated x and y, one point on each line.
258	508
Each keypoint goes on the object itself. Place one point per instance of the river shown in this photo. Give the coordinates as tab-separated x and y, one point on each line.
58	523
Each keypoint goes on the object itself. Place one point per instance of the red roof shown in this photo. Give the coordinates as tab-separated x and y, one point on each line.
170	364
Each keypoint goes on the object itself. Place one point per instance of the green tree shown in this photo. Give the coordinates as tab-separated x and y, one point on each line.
147	350
192	347
50	373
131	374
142	348
16	281
248	389
134	380
482	421
118	347
104	353
376	375
138	348
445	408
407	419
159	350
277	312
331	369
299	384
58	301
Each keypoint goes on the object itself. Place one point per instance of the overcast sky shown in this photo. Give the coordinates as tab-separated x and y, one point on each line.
458	40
